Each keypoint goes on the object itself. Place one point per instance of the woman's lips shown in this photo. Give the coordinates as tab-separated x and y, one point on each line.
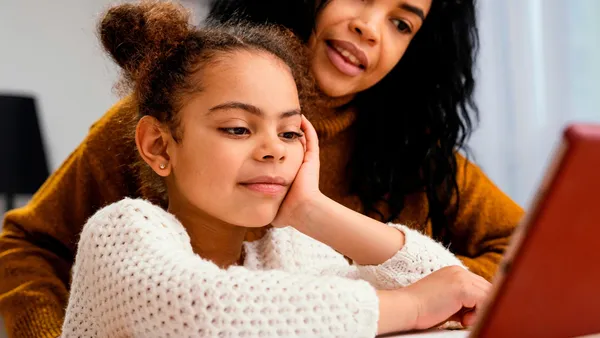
346	57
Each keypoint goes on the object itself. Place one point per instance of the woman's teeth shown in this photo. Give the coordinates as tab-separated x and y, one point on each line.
348	56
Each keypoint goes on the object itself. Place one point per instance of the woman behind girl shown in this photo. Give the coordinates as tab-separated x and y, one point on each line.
222	139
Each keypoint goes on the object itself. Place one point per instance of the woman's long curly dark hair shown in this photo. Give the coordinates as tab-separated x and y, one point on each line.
412	123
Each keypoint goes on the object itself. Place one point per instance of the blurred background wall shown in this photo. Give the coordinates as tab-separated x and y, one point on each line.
538	69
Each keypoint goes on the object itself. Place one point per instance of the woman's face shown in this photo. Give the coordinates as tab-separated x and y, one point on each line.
240	149
358	42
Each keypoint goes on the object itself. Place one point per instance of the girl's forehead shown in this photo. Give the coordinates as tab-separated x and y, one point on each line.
254	79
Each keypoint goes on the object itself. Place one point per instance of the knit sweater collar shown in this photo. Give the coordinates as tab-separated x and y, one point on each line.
333	116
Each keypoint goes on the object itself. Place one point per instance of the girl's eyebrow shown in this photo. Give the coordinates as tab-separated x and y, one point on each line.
254	110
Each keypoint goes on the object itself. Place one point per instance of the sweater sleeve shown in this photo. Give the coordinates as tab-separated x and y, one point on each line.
136	275
291	250
37	241
485	221
419	257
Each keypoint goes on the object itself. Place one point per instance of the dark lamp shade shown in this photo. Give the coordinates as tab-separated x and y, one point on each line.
23	165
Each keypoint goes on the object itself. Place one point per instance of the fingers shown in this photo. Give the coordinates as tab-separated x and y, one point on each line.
451	293
475	293
311	142
468	319
303	142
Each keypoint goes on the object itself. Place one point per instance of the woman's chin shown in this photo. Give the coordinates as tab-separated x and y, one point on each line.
332	84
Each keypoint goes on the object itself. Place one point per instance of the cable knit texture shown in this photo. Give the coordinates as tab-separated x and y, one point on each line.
135	274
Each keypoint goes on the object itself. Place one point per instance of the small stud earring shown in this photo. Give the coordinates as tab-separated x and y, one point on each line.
162	166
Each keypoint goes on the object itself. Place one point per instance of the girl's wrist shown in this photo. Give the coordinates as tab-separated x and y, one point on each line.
398	311
307	213
363	239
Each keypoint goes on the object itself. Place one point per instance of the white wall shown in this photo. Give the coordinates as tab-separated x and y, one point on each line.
50	49
539	71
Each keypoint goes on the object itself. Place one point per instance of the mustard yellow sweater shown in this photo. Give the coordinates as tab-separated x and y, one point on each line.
38	241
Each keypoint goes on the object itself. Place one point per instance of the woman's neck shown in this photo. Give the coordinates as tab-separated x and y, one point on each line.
335	102
211	238
332	115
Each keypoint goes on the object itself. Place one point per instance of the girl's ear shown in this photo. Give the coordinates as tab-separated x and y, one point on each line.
152	141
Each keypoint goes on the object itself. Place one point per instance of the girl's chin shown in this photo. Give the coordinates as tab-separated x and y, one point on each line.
256	219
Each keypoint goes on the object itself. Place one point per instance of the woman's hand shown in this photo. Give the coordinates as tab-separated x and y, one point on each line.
305	188
451	293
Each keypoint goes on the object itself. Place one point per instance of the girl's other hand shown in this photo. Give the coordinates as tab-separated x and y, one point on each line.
451	293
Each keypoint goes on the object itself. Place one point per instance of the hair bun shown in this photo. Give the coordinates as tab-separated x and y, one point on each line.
135	33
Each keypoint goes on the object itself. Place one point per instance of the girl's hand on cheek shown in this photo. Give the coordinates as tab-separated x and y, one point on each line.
305	189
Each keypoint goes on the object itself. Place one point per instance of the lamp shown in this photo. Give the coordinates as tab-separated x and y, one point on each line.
23	165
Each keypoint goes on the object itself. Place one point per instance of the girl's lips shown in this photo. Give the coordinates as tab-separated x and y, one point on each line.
268	185
266	188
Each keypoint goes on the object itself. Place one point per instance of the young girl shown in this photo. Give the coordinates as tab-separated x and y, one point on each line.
221	133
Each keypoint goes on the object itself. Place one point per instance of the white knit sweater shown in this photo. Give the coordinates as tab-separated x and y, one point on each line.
135	275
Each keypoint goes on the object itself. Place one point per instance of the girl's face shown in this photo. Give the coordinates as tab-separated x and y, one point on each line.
240	145
358	42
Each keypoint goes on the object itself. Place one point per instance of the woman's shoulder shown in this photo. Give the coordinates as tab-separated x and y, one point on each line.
109	150
110	139
481	200
471	178
123	111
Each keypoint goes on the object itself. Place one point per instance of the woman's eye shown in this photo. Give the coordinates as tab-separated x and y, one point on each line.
290	135
401	25
237	131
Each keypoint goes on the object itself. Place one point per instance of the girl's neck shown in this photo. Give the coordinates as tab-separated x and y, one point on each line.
211	238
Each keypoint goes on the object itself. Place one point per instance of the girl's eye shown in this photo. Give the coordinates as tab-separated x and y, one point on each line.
236	131
290	135
402	26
